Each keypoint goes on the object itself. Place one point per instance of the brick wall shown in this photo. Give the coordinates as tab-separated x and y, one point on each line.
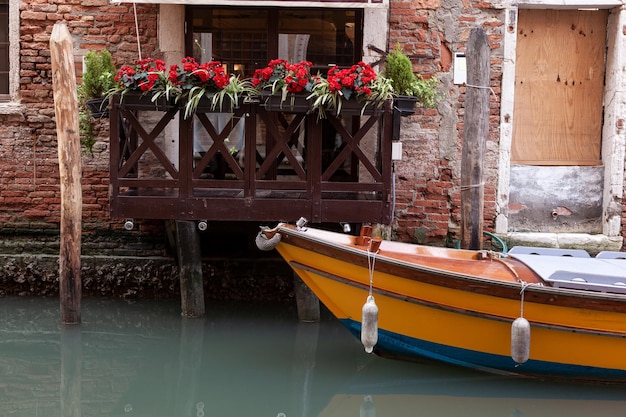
29	185
428	177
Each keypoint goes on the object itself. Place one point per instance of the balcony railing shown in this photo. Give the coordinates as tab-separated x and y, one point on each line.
262	161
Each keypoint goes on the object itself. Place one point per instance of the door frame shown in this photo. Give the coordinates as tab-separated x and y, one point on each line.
613	131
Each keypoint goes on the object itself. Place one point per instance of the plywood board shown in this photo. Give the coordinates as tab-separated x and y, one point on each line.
559	82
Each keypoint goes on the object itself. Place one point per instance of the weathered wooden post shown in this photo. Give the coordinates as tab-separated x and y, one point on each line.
475	131
71	376
190	269
306	301
68	143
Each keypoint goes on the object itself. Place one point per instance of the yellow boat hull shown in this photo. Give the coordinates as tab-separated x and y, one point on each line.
465	326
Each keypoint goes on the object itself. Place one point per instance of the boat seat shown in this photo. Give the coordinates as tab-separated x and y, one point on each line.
608	254
592	274
529	250
589	282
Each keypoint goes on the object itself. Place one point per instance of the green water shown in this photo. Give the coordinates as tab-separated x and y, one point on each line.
143	359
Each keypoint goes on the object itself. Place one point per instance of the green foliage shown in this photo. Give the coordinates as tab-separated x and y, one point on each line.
399	69
98	75
98	80
86	129
427	91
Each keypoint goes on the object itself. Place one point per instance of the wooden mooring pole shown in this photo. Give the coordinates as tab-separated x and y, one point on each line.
71	372
475	132
68	143
190	269
306	301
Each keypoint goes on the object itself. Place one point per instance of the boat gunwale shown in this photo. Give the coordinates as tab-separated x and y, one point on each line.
541	294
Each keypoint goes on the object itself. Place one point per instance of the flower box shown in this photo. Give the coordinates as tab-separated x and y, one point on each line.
293	103
146	102
359	108
99	107
205	105
405	105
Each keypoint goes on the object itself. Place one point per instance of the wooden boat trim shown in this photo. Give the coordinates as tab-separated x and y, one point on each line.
442	307
541	294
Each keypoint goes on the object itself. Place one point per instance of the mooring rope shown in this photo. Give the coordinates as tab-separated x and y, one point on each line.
137	30
484	87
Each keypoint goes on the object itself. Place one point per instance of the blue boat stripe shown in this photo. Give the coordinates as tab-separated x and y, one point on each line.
393	344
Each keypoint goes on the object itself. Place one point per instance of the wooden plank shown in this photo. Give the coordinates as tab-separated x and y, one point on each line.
559	84
68	143
475	132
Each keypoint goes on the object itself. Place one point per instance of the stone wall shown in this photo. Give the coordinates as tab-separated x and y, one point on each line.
133	265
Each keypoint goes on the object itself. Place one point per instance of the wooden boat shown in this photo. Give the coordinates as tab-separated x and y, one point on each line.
459	306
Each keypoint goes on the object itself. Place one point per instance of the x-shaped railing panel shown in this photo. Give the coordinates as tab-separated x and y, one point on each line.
147	142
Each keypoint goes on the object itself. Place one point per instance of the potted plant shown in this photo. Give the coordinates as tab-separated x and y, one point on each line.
409	88
97	81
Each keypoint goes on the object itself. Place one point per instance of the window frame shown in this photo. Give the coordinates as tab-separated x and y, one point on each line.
9	103
273	28
4	21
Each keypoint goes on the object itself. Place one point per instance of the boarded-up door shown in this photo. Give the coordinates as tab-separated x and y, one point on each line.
559	82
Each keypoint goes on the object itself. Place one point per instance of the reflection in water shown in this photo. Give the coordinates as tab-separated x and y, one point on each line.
143	359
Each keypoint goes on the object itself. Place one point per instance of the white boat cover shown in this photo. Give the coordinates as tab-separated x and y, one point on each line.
601	274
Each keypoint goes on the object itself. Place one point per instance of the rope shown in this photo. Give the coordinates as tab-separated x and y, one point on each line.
484	87
467	187
371	261
524	286
137	30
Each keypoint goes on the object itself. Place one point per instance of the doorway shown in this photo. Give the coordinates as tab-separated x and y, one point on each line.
557	173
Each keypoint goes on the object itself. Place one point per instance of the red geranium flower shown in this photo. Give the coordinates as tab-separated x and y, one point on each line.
357	79
281	75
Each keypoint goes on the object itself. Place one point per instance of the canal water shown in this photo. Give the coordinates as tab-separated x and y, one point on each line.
142	359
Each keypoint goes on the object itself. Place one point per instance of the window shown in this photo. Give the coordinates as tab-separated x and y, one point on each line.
245	39
4	50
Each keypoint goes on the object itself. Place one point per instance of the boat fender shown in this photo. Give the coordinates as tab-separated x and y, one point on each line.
520	340
367	408
266	244
369	324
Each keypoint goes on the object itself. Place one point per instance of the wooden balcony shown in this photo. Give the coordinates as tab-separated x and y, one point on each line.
263	161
